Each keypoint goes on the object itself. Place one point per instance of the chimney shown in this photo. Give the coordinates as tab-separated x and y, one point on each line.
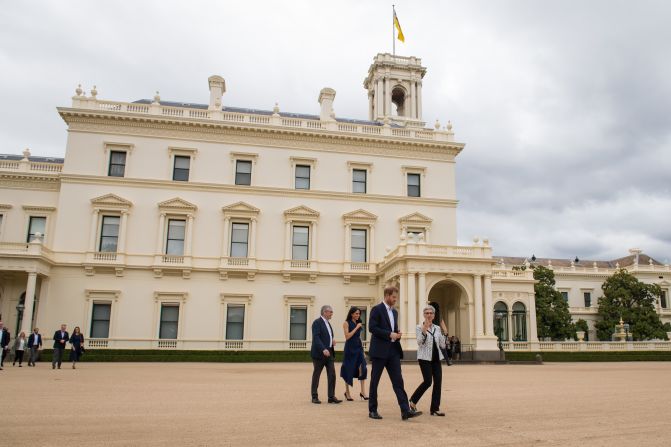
217	90
326	97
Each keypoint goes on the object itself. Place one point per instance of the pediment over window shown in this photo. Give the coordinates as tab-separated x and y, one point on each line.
415	219
359	215
177	204
111	201
240	208
301	212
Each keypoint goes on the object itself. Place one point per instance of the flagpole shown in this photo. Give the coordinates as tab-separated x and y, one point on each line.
393	35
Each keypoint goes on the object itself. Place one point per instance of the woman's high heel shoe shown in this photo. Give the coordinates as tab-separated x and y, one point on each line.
363	397
348	398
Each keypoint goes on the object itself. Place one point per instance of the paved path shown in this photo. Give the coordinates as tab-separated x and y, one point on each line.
560	404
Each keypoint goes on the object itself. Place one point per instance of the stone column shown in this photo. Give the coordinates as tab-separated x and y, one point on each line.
533	330
313	245
189	235
412	303
419	100
348	242
371	249
387	98
227	232
160	234
379	98
251	252
421	286
287	244
27	320
121	246
403	296
413	99
489	309
477	299
94	230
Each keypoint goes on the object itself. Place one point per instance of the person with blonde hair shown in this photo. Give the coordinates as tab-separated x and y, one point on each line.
19	348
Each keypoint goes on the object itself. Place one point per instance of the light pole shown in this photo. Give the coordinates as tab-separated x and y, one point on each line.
19	317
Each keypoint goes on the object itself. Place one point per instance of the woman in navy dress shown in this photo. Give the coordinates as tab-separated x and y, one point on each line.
77	341
354	362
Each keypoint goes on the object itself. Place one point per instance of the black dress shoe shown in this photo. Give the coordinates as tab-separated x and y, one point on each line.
437	413
316	401
334	400
374	415
410	414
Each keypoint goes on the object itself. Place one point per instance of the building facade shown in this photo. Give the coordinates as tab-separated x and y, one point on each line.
186	226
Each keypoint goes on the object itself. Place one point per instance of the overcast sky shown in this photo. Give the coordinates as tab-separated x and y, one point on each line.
564	106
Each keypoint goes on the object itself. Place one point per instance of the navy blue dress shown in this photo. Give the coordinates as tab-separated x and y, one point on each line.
354	362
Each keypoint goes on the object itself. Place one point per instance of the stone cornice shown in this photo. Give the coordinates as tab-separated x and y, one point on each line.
30	181
267	136
254	190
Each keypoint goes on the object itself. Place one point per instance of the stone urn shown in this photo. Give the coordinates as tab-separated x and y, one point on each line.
580	335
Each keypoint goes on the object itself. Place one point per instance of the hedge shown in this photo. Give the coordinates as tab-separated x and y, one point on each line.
154	355
613	356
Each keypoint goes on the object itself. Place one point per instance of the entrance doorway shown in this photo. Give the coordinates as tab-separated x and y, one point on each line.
451	301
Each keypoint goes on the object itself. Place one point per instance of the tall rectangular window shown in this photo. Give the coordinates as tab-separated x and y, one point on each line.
169	321
298	318
117	167
243	172
300	243
37	224
359	178
565	296
359	245
174	244
180	171
235	321
663	300
414	189
588	299
100	320
239	239
109	234
302	177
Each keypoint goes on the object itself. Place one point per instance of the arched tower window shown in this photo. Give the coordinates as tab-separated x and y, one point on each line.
519	322
501	321
398	100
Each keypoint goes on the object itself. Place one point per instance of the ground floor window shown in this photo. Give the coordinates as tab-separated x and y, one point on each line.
235	321
100	320
501	321
519	322
298	318
169	321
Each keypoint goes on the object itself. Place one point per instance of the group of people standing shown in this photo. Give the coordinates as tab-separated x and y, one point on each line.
33	344
385	352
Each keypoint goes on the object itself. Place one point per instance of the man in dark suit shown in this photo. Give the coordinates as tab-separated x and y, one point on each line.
386	353
60	339
35	344
323	355
4	343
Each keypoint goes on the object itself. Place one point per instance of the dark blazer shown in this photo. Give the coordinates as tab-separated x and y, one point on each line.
379	326
320	339
58	338
35	340
4	338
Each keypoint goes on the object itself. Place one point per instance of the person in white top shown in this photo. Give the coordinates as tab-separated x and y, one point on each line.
430	344
20	345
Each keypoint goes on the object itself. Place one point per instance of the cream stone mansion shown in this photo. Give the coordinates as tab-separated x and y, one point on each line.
174	225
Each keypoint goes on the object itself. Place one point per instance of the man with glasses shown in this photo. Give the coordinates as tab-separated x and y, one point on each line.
323	355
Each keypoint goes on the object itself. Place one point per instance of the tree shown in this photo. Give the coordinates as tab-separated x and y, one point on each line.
552	314
624	296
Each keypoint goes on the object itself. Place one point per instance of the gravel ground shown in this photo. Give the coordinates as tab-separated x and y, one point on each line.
559	404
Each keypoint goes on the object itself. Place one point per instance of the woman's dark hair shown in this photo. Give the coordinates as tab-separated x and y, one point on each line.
76	330
351	312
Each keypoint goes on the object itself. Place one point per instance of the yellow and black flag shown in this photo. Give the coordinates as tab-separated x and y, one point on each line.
401	37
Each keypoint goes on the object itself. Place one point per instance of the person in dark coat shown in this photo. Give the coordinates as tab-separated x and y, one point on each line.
60	339
323	355
77	342
4	343
35	345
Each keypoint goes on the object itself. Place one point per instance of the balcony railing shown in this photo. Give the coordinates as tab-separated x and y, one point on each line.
574	346
104	256
170	259
300	264
238	262
30	166
260	119
167	344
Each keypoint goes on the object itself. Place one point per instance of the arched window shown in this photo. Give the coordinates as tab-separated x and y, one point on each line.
501	321
519	322
398	99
